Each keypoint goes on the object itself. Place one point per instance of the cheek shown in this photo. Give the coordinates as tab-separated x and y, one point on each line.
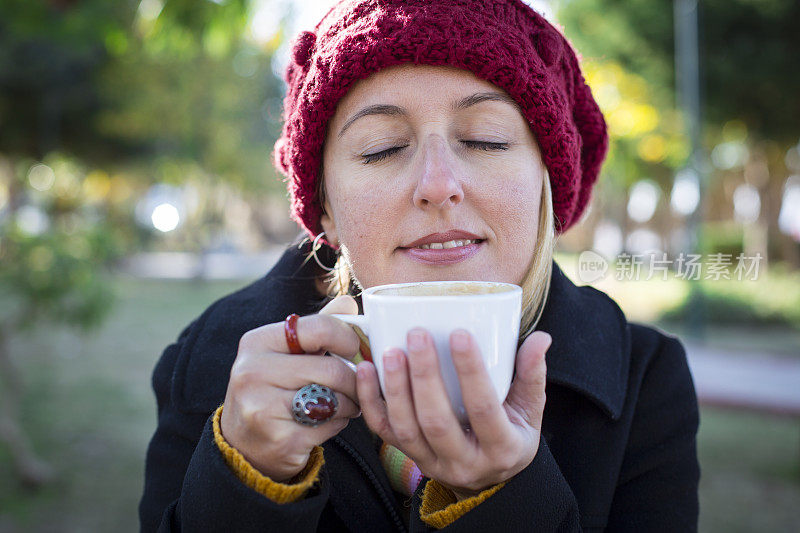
512	210
522	221
363	221
524	203
513	204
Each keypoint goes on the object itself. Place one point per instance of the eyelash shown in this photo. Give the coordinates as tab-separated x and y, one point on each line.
481	145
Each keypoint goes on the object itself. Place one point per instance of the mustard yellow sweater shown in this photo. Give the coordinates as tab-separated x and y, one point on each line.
439	508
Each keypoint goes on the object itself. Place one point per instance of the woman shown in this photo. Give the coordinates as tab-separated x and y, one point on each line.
428	141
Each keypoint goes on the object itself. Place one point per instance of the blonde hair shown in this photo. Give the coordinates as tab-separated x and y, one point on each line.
535	285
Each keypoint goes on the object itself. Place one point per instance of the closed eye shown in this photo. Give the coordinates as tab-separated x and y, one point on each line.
380	156
477	145
483	145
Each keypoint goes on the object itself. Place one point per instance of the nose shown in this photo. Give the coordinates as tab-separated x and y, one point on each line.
438	185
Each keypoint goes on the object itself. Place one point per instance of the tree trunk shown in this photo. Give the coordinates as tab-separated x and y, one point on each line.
30	470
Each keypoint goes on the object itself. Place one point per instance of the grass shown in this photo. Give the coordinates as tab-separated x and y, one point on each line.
750	472
90	411
761	316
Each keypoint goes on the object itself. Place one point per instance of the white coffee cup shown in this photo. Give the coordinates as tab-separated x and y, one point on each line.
490	311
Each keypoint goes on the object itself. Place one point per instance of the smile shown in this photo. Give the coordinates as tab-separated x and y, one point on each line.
448	244
441	249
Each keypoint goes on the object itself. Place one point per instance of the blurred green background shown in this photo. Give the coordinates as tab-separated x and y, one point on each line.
136	186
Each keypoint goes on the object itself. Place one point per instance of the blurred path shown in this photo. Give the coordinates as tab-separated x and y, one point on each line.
211	266
755	381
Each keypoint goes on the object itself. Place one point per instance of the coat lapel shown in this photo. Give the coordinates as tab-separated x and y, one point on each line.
590	343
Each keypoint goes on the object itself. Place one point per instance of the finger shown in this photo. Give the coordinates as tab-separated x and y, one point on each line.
268	414
487	418
373	408
328	430
290	372
431	402
526	396
346	408
346	305
316	334
315	435
400	406
342	305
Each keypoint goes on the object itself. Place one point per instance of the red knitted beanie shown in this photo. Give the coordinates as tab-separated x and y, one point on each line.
502	41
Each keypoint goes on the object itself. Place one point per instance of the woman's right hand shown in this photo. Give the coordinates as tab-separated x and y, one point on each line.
257	418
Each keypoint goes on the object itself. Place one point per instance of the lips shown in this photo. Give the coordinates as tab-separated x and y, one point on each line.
439	248
452	235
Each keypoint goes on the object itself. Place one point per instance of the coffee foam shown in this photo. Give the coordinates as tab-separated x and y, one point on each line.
445	289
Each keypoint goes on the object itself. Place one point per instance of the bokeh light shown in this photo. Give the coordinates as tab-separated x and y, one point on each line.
32	220
643	241
162	207
789	216
96	186
643	200
165	217
685	194
728	155
608	239
746	203
41	177
150	9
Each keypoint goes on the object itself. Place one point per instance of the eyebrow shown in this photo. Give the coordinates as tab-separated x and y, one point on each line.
393	110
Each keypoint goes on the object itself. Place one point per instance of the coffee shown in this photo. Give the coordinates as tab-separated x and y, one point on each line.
449	288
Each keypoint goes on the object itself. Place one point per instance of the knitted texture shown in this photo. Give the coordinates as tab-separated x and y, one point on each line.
403	473
504	42
440	508
278	492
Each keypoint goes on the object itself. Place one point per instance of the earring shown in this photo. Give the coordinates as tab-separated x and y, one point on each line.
316	245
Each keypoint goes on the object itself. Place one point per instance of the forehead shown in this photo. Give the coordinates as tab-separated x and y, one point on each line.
415	86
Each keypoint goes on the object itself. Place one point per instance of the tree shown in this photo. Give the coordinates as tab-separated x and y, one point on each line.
748	52
99	99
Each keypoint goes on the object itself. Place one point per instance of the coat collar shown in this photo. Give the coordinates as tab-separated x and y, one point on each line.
591	343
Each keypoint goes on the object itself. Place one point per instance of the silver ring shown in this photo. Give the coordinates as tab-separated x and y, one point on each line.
314	404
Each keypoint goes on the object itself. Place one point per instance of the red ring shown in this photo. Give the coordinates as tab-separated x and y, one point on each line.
290	328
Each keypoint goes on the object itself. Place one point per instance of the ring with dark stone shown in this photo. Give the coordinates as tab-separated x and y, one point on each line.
314	404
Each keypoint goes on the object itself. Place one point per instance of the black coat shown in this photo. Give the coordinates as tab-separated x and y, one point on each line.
618	448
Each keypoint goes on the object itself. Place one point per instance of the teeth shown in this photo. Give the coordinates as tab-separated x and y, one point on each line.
448	244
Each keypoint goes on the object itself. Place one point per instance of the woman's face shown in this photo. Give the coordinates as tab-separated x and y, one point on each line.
431	174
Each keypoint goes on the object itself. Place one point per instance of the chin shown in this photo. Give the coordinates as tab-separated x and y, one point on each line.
451	273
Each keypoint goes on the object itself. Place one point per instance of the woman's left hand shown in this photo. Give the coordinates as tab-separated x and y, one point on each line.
416	416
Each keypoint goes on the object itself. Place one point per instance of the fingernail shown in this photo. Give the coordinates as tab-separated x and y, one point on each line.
391	361
416	340
361	372
549	341
460	340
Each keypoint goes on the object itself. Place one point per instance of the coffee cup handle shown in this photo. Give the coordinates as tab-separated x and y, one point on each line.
355	320
359	323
